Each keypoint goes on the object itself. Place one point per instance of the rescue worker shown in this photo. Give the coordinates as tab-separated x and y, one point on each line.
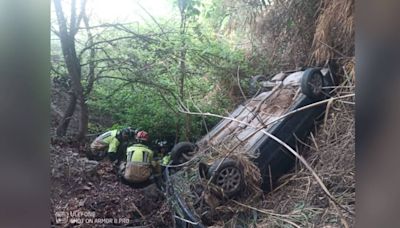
113	142
166	160
139	161
163	153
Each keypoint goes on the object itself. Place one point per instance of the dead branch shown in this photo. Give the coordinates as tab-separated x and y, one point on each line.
303	161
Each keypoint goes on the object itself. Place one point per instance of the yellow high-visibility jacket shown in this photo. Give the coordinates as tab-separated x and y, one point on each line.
139	153
110	138
166	159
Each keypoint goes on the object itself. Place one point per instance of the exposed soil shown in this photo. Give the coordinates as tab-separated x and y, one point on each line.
91	190
81	185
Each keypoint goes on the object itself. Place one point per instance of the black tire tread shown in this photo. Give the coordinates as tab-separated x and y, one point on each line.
305	87
180	148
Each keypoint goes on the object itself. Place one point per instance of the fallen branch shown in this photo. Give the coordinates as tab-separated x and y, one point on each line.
278	216
318	179
185	220
238	82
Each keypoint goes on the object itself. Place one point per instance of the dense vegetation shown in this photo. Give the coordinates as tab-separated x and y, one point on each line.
142	75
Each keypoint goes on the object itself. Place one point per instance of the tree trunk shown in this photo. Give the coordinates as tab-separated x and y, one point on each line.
84	119
63	126
177	130
182	67
67	39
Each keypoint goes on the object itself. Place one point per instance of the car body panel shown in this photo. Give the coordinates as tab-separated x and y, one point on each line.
283	95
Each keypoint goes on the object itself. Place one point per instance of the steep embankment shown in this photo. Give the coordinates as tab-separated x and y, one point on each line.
326	34
87	189
291	33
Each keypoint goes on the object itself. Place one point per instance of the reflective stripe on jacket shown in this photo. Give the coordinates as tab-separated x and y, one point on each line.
166	159
109	138
139	153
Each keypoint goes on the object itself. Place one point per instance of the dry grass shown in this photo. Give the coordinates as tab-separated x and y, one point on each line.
331	153
205	196
284	33
297	33
334	33
290	34
300	200
294	33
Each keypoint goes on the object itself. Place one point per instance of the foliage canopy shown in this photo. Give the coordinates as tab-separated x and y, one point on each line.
144	73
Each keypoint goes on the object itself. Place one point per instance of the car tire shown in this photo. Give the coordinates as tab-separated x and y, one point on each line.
254	84
228	175
312	83
182	152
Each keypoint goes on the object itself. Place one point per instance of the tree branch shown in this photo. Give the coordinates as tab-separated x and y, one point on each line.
91	74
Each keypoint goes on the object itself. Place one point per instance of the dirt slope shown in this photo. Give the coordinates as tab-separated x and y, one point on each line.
89	189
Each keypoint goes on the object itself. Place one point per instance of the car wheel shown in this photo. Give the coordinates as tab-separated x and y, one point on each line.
255	84
182	152
227	175
312	83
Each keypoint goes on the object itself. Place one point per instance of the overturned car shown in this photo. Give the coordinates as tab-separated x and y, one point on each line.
283	107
